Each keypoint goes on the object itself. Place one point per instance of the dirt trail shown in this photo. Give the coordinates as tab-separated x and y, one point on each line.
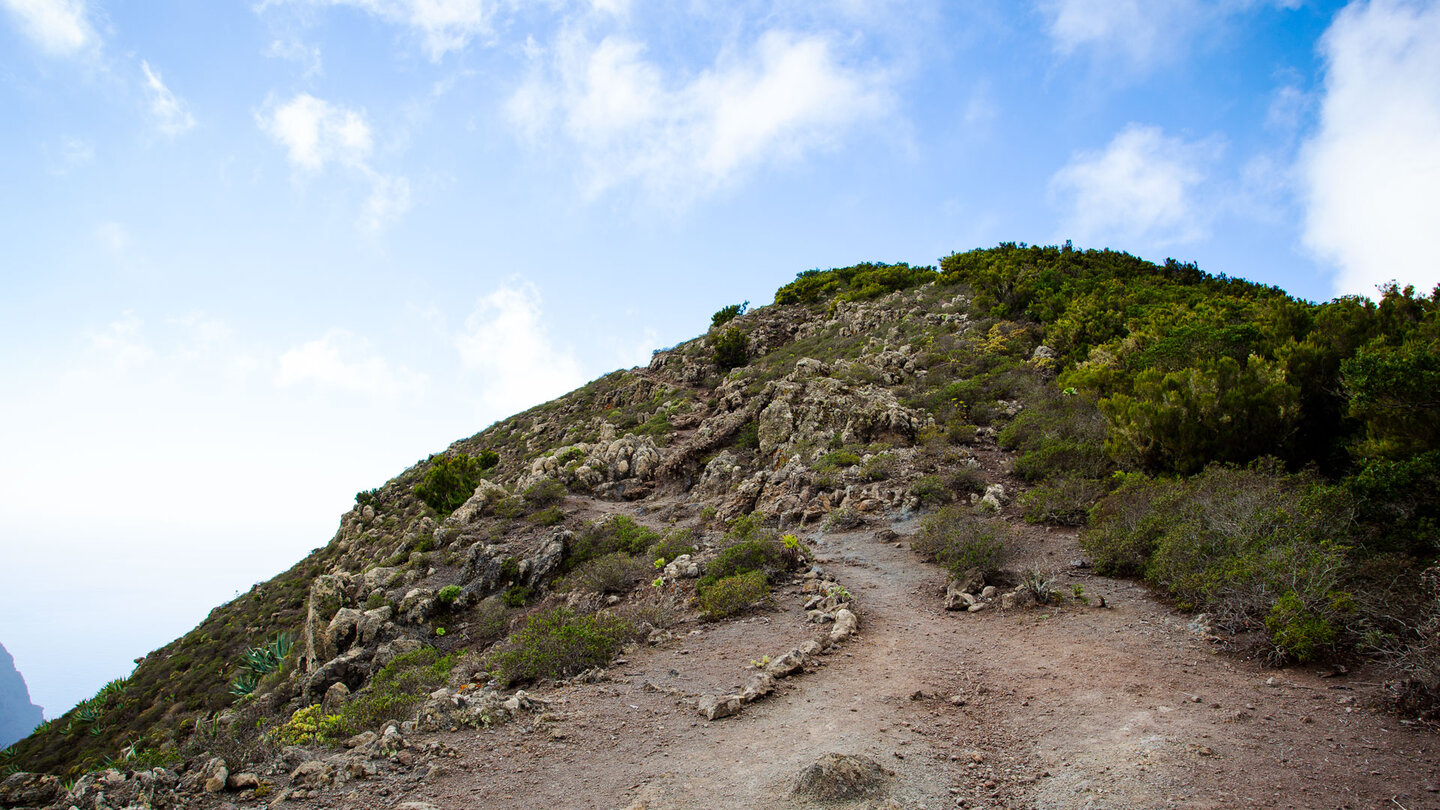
1077	707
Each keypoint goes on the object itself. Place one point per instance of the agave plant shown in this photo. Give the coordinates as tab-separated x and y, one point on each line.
111	691
89	711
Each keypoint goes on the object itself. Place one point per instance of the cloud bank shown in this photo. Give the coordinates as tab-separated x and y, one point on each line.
1371	169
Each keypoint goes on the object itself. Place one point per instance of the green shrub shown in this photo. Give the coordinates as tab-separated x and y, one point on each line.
837	460
676	543
616	572
733	594
1065	501
509	508
966	479
517	596
558	643
394	693
490	623
878	467
611	534
451	480
448	595
728	314
1299	632
543	493
730	349
930	490
959	539
549	516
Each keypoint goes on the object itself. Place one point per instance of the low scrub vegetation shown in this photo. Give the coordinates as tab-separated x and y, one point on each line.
558	643
1256	548
733	595
960	539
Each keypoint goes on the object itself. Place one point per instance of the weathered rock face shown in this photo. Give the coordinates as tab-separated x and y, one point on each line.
327	596
18	716
611	468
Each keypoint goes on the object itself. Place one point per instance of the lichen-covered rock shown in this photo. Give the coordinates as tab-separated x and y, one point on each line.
28	790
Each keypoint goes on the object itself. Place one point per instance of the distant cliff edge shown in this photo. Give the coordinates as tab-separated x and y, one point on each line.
18	716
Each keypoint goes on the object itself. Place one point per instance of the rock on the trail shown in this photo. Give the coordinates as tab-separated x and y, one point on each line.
845	625
715	707
839	777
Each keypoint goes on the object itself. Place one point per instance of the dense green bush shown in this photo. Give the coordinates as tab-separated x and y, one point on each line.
960	539
451	480
448	595
728	314
733	595
557	643
859	282
730	349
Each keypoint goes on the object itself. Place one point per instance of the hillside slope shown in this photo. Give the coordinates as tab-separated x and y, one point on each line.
974	414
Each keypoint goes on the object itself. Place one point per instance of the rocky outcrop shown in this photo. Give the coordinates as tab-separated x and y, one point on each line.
615	468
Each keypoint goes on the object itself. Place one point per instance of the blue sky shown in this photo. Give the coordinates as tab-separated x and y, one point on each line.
259	256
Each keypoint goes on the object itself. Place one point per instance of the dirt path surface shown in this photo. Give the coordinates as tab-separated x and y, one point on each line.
1072	707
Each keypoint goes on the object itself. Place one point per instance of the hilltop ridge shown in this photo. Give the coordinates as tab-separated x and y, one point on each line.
1027	422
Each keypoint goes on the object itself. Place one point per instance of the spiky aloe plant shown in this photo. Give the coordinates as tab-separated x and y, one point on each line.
258	662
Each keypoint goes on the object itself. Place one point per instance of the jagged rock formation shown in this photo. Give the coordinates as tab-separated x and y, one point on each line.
18	716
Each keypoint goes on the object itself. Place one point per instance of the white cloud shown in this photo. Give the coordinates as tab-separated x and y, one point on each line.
1370	171
442	25
59	27
505	343
341	362
628	120
170	113
317	133
1142	186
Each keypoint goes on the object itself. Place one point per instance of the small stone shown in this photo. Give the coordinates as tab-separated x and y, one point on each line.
715	707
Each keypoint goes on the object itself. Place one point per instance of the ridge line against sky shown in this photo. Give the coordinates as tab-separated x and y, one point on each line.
260	256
